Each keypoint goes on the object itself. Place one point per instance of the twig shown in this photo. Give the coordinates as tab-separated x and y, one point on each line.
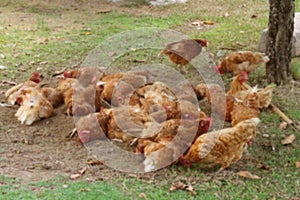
8	137
229	48
72	133
8	82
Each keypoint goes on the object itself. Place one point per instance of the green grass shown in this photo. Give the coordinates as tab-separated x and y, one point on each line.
27	47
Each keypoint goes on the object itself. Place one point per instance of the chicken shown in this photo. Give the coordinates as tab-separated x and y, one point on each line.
84	75
242	61
159	97
12	94
71	74
109	82
264	96
237	83
92	127
223	146
54	96
215	96
127	122
81	100
65	84
243	112
250	104
33	106
182	52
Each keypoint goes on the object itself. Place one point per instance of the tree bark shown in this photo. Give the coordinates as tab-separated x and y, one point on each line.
279	41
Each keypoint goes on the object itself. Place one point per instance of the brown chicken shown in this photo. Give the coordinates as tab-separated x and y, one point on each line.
109	82
237	83
71	74
242	61
54	96
33	106
250	104
182	52
216	98
12	94
127	122
81	100
221	147
264	95
84	75
92	127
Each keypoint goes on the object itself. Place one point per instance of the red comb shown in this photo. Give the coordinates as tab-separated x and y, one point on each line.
218	69
66	75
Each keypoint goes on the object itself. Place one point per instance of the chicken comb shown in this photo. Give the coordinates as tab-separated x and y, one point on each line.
35	74
66	75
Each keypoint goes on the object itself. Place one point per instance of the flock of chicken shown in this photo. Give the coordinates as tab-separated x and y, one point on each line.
128	107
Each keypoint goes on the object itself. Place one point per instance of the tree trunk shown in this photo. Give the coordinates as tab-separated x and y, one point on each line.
279	41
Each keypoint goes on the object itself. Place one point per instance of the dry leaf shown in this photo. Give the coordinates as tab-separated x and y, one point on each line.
247	174
8	82
75	176
263	166
5	105
2	67
298	165
181	186
209	22
94	162
142	195
283	125
288	140
104	11
82	171
197	23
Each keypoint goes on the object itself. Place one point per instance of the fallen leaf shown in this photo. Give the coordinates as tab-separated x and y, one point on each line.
142	195
283	125
94	162
295	198
75	176
209	22
263	166
254	16
8	82
226	14
82	171
298	165
2	67
86	29
197	23
288	140
5	105
104	11
181	186
247	174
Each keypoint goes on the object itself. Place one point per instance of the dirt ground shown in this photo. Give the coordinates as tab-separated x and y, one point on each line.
42	151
